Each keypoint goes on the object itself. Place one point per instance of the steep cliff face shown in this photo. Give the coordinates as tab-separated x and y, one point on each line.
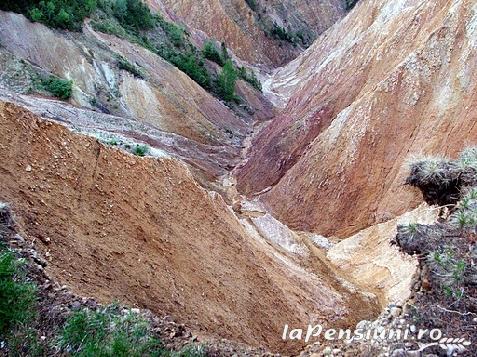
247	26
394	80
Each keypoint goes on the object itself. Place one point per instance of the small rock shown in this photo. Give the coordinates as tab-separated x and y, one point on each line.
396	311
28	168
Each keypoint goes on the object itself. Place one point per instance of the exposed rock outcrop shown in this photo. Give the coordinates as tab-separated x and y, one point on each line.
369	258
392	81
168	99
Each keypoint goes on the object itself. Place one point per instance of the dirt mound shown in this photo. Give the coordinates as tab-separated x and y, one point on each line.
140	230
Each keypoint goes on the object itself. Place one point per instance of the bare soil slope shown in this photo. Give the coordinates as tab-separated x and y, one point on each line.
140	230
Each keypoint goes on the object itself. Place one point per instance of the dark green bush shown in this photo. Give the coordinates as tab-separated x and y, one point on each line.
134	14
174	33
252	4
190	64
61	88
141	150
282	34
66	14
350	4
226	82
17	296
212	53
250	78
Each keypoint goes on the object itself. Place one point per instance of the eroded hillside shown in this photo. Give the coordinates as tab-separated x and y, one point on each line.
141	230
266	33
392	81
166	176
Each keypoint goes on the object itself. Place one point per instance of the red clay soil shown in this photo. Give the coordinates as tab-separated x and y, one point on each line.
140	230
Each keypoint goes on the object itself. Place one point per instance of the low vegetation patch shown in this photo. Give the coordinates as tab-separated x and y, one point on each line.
60	88
130	14
281	33
108	332
211	52
17	294
65	14
141	150
350	4
112	332
124	64
252	4
250	77
36	320
132	20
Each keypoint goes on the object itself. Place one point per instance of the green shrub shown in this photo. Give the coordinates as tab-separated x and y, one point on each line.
226	82
189	64
17	296
133	14
350	4
212	53
252	4
66	14
448	271
141	150
108	333
174	33
225	52
250	78
61	88
281	33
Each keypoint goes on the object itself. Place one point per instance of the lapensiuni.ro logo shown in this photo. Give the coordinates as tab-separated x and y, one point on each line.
433	337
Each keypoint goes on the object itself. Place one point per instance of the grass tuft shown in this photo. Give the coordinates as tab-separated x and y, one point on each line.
107	332
468	158
17	295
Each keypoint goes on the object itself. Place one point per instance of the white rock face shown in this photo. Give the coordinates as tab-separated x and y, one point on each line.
373	263
278	233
